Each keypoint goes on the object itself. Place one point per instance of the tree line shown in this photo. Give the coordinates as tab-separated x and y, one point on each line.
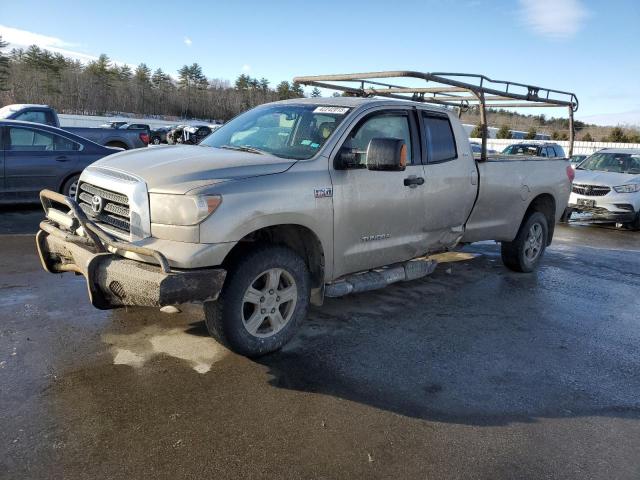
103	87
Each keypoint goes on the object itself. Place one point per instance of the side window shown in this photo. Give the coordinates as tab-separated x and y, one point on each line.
441	143
543	152
385	125
559	151
34	116
27	140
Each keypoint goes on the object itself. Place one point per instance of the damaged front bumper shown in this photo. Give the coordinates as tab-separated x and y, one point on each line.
70	242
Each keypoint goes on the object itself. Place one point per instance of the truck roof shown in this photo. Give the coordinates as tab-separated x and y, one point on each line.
356	102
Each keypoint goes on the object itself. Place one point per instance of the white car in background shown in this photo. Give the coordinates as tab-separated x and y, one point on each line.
606	188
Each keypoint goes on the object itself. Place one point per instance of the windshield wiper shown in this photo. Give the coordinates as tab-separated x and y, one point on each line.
243	148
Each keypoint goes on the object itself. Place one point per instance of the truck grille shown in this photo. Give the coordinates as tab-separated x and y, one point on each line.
590	190
105	207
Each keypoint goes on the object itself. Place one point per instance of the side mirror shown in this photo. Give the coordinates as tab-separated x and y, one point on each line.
346	158
387	154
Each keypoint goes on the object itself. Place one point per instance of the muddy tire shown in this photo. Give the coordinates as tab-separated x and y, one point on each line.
264	299
524	253
70	187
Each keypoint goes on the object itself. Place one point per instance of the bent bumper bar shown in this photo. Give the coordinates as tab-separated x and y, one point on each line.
114	281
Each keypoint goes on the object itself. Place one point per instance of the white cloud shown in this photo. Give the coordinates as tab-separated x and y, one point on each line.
187	41
554	18
17	38
246	68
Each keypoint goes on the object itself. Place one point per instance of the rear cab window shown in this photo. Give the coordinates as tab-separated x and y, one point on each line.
439	139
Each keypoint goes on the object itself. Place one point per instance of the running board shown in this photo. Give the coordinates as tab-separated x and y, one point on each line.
380	278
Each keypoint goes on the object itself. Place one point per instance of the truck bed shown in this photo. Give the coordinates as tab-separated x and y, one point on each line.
506	189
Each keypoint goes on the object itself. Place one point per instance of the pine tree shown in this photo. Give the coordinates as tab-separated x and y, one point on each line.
587	137
283	90
476	132
297	91
531	134
315	93
503	132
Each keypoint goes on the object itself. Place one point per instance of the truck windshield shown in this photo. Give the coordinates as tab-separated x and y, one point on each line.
612	162
287	131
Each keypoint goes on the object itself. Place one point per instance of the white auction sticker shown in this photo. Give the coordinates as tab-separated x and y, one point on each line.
334	110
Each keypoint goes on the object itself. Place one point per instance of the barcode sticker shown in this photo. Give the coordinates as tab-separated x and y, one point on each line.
334	110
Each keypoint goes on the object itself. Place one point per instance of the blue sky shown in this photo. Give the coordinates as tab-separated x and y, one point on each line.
586	46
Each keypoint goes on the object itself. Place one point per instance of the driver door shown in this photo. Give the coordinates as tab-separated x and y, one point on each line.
378	215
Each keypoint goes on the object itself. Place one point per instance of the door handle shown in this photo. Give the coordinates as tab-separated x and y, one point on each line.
62	158
413	181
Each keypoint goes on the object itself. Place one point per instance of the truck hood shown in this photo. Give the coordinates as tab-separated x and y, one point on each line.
178	169
609	179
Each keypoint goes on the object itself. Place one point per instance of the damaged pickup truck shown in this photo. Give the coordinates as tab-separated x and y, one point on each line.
297	200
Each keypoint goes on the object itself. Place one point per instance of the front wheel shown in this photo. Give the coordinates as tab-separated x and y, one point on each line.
635	225
524	253
264	299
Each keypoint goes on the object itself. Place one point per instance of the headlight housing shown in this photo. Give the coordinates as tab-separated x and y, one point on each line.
629	188
182	209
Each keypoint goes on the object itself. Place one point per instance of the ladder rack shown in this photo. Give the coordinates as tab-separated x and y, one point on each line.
461	90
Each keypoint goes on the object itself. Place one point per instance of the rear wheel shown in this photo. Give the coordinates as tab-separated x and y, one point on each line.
524	253
156	140
265	297
70	187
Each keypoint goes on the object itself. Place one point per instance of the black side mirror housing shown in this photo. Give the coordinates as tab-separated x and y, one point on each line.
387	154
346	158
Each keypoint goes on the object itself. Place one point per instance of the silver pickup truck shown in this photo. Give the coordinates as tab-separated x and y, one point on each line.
293	201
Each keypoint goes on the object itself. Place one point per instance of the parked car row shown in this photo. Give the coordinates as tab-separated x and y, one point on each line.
188	134
110	136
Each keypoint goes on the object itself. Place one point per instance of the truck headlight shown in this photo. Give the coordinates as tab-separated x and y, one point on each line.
629	188
182	209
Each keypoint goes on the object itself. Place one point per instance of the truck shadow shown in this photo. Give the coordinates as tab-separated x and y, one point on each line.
477	346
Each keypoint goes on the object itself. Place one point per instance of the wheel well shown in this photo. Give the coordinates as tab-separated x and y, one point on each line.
117	144
546	205
296	237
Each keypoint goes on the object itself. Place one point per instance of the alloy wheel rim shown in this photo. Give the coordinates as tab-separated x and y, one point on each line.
533	242
73	189
269	302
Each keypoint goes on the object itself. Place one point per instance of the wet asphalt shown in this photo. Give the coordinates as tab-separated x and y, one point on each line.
475	372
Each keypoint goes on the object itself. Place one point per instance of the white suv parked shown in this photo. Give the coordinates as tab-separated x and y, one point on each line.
607	187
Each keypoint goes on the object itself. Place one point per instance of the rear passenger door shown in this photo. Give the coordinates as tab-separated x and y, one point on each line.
451	177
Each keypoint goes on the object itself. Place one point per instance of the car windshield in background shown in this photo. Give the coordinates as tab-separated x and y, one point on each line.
287	131
613	162
521	150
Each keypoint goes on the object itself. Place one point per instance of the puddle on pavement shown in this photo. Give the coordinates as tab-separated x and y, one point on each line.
135	349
